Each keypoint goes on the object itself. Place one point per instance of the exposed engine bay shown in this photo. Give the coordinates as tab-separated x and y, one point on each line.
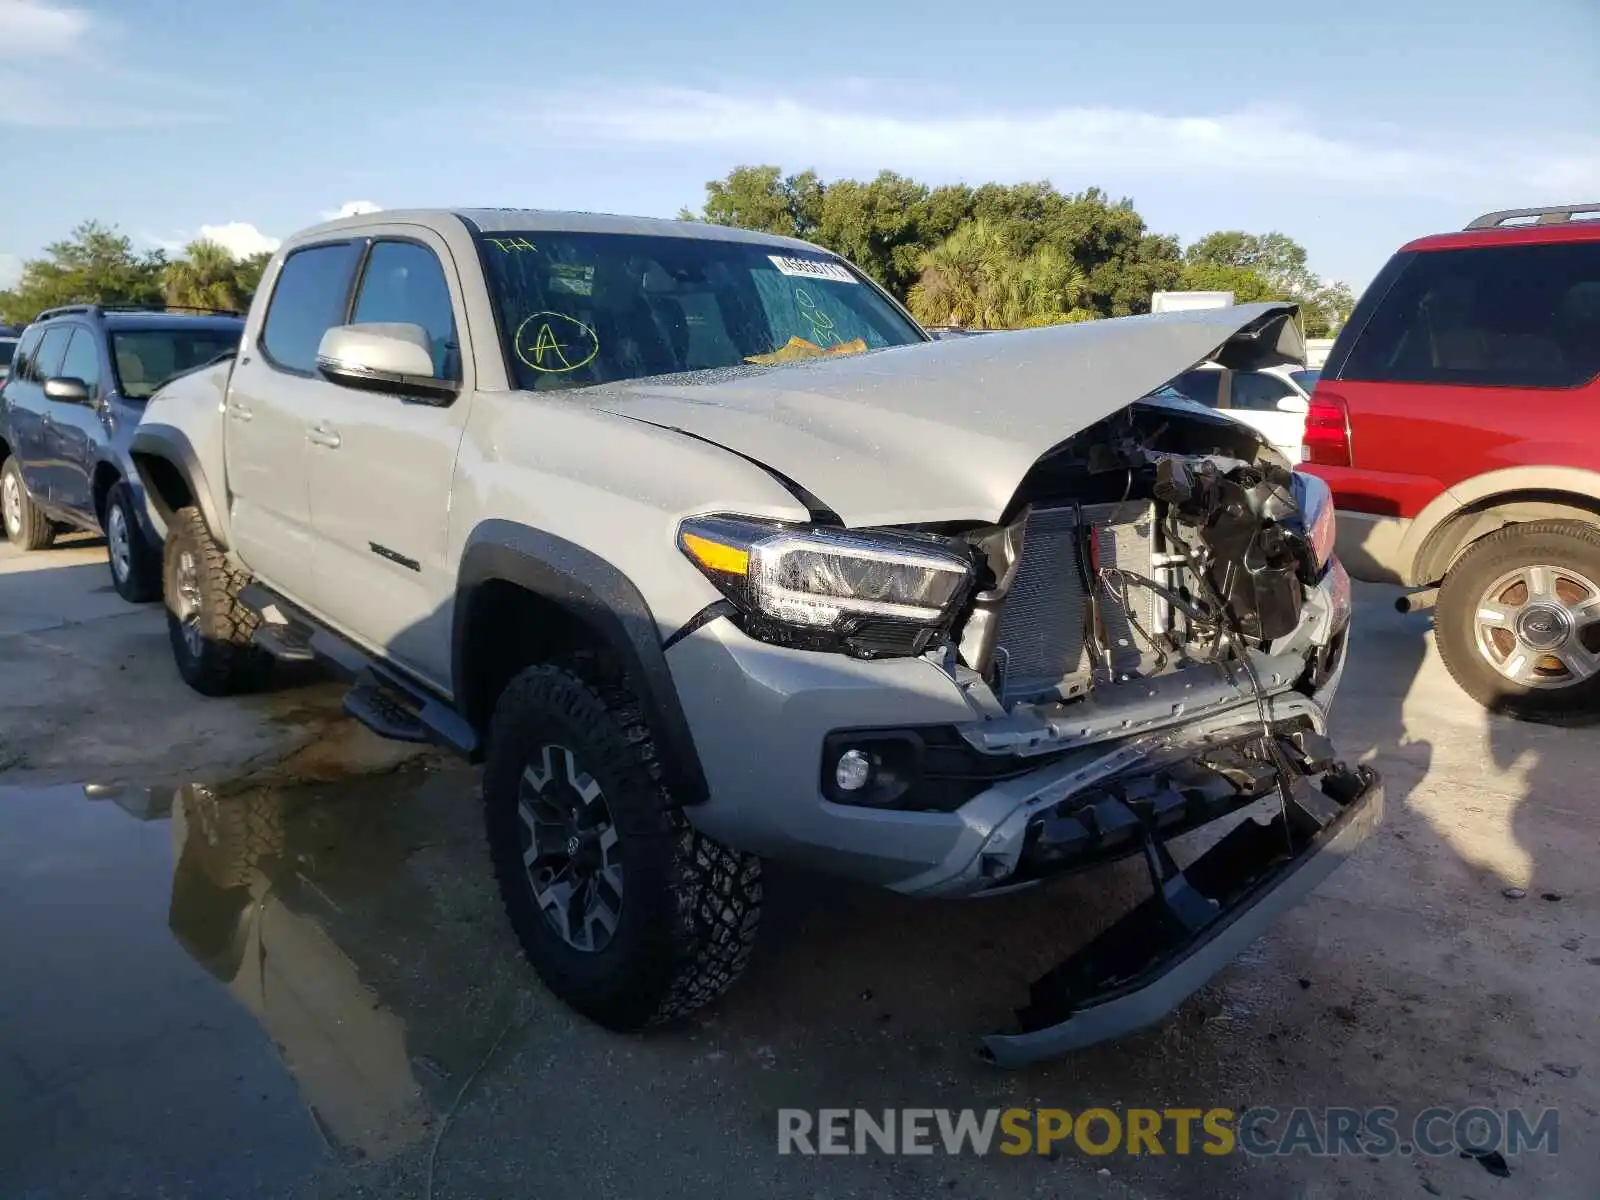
1158	540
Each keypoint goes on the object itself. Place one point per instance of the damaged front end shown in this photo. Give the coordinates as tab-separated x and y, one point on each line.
1164	622
1145	639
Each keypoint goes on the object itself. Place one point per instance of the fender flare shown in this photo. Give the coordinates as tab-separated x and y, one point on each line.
171	445
603	599
1425	534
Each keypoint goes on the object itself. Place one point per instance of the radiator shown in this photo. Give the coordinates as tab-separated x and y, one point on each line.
1041	645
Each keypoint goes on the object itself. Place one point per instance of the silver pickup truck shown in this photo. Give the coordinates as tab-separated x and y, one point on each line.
710	554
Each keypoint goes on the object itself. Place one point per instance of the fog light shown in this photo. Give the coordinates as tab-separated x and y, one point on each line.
853	771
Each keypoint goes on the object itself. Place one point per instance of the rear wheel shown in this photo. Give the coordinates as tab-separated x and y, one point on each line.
209	629
26	526
1518	621
135	564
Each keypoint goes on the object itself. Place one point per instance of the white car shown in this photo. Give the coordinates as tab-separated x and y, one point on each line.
1272	400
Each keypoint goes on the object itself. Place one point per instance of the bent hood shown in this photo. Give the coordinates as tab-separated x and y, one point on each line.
946	430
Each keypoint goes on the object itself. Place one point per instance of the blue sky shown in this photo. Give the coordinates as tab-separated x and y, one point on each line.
1350	131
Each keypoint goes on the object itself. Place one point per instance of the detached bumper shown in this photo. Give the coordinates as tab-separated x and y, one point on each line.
1196	922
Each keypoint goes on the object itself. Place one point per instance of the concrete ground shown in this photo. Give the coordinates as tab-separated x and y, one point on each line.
297	981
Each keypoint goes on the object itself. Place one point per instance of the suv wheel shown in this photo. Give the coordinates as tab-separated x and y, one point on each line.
1518	621
25	525
209	629
628	914
135	565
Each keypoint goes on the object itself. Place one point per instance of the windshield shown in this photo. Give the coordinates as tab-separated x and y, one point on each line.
1306	381
147	358
584	308
8	347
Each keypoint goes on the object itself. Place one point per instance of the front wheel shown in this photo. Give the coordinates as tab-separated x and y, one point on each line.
135	564
26	526
209	629
628	914
1518	621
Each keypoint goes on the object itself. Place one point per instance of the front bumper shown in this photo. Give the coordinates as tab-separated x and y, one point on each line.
1195	922
760	715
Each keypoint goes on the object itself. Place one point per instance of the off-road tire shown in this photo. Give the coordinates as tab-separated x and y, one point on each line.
228	662
142	583
1573	544
32	530
690	906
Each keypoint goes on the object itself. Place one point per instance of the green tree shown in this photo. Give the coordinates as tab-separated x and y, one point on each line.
1327	309
890	225
761	198
1275	257
95	265
249	271
208	276
877	226
1246	285
978	278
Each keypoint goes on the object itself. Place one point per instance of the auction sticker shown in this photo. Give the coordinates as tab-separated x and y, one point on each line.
811	268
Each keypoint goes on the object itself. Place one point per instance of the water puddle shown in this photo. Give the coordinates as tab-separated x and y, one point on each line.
246	984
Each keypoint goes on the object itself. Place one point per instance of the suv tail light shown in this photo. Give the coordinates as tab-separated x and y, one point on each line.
1327	436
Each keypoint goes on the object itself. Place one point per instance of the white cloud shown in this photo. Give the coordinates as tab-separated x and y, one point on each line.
32	27
869	132
10	270
352	208
240	238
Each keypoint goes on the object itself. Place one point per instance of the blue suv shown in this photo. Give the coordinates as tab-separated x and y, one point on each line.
79	380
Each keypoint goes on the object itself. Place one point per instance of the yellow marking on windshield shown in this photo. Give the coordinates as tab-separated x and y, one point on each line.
555	343
507	245
821	323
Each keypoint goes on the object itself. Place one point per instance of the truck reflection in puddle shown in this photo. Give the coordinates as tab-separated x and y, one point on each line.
244	906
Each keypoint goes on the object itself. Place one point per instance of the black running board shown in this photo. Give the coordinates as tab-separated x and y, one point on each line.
1196	922
380	698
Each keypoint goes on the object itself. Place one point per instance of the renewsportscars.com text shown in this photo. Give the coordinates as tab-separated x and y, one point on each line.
1261	1132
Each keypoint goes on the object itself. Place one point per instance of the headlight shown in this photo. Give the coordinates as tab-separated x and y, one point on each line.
1315	502
867	593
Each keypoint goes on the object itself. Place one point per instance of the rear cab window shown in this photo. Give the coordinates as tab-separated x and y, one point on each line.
1524	316
309	298
404	283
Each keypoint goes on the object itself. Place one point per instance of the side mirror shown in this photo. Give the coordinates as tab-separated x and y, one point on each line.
1298	405
66	389
384	358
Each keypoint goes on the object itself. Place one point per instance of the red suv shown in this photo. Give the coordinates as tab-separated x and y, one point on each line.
1457	421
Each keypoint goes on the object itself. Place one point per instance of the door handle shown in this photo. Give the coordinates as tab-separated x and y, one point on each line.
239	412
321	435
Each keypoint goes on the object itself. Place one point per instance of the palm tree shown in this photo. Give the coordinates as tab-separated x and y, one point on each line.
977	278
205	277
955	286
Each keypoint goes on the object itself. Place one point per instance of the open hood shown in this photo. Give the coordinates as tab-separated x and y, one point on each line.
947	430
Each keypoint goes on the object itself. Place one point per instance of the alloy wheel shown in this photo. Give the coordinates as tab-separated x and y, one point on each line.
186	605
11	497
569	849
1539	626
118	542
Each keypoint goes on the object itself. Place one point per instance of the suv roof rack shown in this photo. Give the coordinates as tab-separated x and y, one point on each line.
95	310
1558	215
